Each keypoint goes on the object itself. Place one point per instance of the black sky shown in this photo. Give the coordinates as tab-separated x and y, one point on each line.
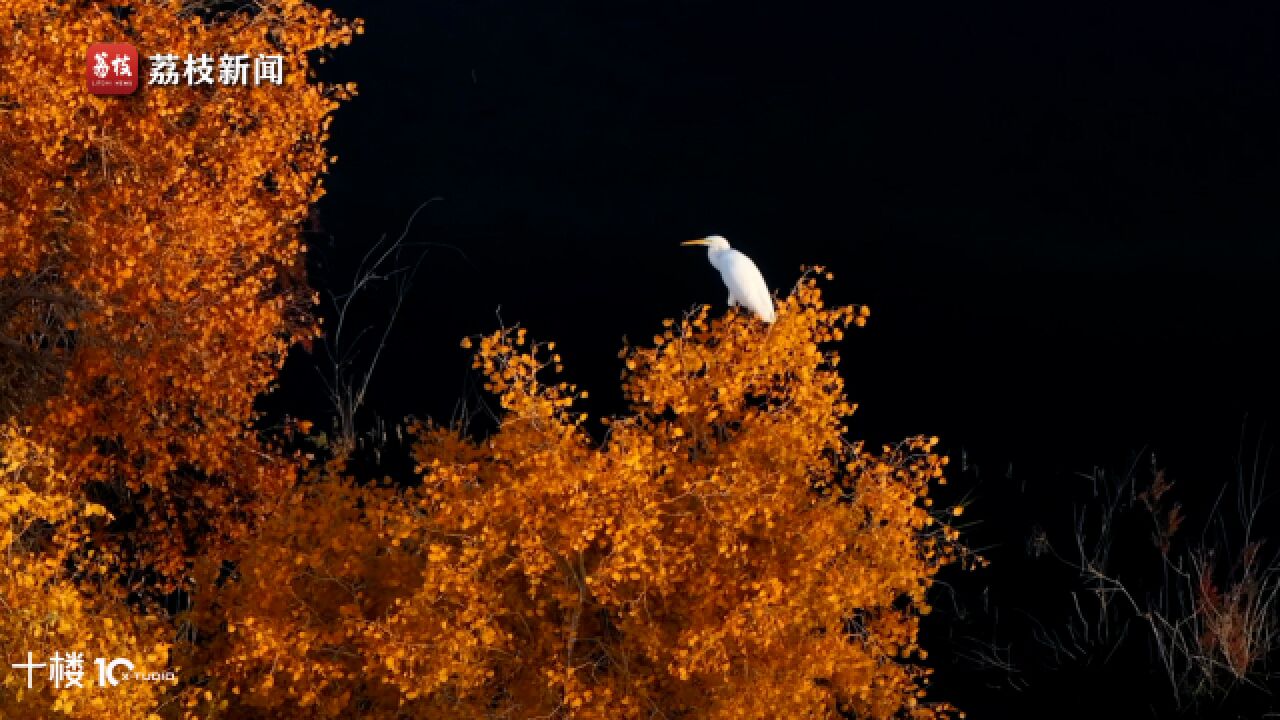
1063	216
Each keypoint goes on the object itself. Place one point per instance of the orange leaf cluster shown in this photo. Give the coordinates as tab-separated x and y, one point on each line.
46	610
160	231
724	553
150	284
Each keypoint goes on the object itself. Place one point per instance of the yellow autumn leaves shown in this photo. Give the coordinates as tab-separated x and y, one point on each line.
708	557
721	550
150	285
161	231
44	529
755	564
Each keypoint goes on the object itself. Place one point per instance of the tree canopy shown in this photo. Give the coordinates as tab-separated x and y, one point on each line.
721	549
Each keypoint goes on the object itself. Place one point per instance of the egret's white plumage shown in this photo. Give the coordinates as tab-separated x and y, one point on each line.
742	277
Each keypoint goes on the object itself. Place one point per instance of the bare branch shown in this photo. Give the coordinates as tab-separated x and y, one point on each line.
348	387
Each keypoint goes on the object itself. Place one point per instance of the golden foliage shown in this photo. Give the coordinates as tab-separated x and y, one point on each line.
159	231
150	283
725	552
43	530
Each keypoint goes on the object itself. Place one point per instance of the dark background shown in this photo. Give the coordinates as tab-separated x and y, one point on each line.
1063	216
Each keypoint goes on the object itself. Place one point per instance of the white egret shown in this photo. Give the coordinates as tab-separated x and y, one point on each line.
740	275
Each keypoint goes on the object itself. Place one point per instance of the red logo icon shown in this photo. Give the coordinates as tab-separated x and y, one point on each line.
111	68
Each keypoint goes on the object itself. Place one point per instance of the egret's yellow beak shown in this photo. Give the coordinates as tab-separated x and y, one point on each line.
699	241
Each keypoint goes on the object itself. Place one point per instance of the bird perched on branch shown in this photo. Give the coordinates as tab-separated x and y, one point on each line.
742	277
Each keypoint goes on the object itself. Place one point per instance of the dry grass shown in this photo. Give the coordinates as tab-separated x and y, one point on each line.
1214	616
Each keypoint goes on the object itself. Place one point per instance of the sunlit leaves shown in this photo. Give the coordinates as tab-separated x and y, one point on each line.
43	610
721	550
150	284
724	552
164	225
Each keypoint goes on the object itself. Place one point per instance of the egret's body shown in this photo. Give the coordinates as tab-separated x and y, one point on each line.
746	285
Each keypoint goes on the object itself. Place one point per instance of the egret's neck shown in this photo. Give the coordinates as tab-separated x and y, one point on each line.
717	255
